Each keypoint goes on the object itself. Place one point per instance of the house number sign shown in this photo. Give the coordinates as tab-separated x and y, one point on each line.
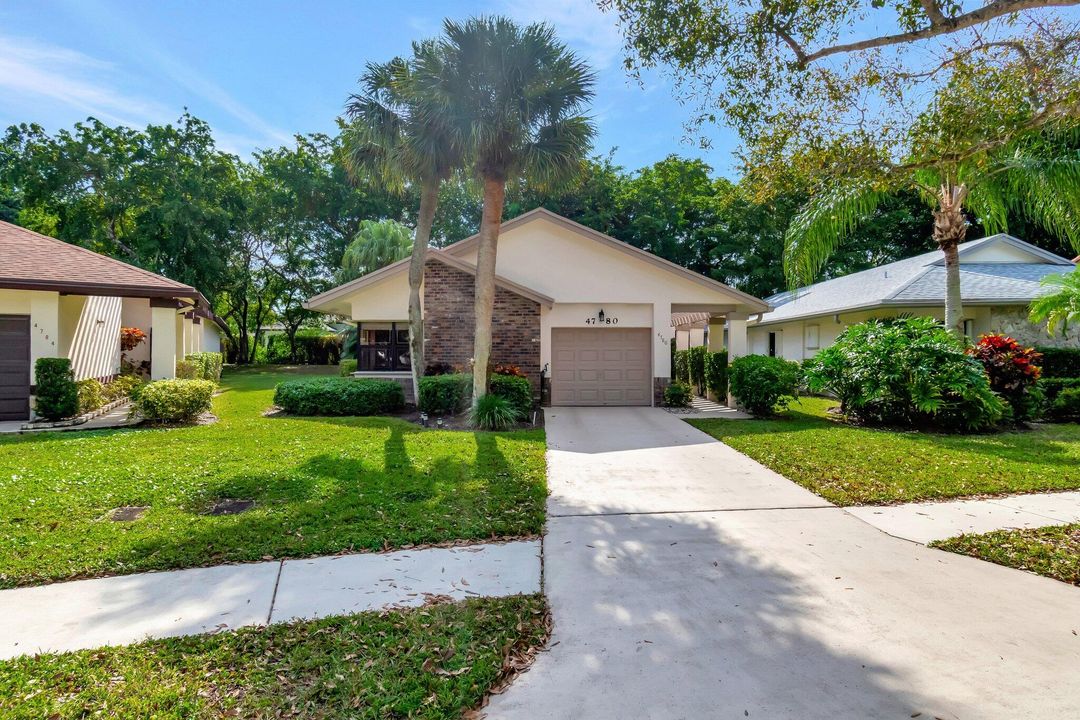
602	319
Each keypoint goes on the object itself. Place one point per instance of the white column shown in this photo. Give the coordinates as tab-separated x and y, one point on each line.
661	342
716	334
737	342
163	337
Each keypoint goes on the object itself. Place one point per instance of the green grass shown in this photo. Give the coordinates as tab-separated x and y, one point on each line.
430	662
1050	551
321	485
853	466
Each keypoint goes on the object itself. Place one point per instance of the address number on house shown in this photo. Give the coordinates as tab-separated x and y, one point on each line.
602	321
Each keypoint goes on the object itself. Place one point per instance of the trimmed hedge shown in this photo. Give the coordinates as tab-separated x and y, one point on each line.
1053	387
91	395
716	373
174	401
445	394
312	348
1066	406
339	396
1060	362
763	384
207	365
517	390
56	395
187	370
347	367
697	358
122	387
681	369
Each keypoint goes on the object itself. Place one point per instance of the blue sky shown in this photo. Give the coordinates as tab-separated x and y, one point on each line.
259	72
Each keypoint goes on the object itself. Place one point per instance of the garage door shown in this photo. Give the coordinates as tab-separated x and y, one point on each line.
14	367
601	366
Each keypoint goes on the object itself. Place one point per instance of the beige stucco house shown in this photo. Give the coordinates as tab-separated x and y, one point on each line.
61	300
585	314
999	276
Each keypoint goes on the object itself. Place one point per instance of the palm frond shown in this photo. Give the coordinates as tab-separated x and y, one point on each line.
1060	305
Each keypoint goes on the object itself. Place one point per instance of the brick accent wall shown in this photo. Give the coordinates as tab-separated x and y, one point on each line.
448	322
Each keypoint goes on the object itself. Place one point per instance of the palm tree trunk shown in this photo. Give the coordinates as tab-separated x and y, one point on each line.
429	198
484	297
950	228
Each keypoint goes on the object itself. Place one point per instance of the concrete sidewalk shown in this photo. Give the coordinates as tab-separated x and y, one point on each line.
127	609
928	521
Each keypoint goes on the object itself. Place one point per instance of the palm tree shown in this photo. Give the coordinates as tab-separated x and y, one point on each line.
513	98
396	138
1061	305
376	244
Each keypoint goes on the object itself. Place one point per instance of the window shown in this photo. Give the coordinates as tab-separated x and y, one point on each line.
812	337
382	347
772	344
969	329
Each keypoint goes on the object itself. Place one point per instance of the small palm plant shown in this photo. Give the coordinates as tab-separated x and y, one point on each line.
1061	304
376	244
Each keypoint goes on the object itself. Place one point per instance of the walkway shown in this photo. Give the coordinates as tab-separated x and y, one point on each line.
928	521
119	416
687	581
126	609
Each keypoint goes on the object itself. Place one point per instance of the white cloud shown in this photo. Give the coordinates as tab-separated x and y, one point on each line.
579	23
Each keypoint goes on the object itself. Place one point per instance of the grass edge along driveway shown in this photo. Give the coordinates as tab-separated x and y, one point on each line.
850	465
1052	552
320	486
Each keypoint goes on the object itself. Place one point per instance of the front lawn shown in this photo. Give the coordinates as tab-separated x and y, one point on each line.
432	662
854	466
1050	551
320	486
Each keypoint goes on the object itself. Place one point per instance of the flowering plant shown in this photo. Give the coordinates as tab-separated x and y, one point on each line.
130	338
1012	368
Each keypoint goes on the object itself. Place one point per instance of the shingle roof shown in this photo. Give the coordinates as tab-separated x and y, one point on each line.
920	280
29	260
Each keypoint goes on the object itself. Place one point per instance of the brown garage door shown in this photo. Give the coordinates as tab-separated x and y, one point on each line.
14	367
601	366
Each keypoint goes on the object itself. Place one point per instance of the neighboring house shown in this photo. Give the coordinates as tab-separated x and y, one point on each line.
999	277
61	300
588	313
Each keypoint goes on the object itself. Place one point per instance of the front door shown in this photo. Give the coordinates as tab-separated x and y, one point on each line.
14	367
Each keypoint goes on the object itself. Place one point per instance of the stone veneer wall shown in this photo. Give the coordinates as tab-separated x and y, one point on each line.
1013	321
449	320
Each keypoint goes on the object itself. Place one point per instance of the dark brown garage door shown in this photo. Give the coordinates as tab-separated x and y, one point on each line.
601	366
14	367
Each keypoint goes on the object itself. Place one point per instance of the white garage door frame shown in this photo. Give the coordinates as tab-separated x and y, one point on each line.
601	367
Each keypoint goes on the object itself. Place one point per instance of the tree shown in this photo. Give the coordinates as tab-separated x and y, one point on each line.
377	244
512	98
399	135
1061	305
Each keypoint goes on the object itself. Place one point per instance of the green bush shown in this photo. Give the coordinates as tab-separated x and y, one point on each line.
122	387
313	347
696	360
1066	406
681	368
1052	387
910	372
445	394
493	412
91	395
764	384
517	390
56	396
207	365
716	373
174	401
677	394
1060	362
187	370
347	367
339	396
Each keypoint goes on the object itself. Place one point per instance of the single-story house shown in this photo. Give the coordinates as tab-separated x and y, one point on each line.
999	277
588	314
61	300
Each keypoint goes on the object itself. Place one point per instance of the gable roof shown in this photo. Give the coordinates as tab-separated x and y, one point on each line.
32	261
540	213
920	280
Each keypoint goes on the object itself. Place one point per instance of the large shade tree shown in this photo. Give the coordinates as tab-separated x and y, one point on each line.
513	97
399	137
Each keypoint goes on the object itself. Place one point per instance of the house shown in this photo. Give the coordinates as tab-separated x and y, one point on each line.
588	314
61	300
999	276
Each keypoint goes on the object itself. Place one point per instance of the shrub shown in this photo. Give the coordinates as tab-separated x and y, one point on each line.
493	412
347	367
763	384
439	368
696	359
313	347
517	389
1060	362
207	365
445	394
122	387
1052	387
339	396
906	371
174	401
56	396
681	368
130	338
1066	406
91	396
1013	370
504	369
716	373
677	394
187	370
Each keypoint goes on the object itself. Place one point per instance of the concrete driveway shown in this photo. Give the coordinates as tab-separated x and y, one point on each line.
687	581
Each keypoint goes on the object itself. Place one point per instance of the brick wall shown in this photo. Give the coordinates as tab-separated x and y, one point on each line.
448	322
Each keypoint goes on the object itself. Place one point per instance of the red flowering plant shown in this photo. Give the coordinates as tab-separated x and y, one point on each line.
507	369
1012	368
130	338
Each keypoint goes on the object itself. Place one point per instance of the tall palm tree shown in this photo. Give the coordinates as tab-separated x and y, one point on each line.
1061	305
513	97
395	138
376	244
